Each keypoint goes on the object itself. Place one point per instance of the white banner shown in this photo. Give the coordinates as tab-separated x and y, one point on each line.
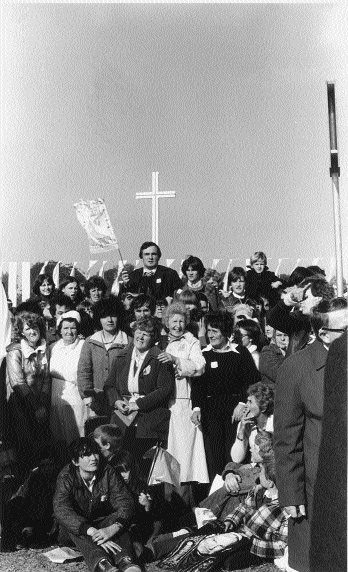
55	274
90	266
170	262
43	269
25	281
226	274
101	271
94	218
5	323
12	282
72	271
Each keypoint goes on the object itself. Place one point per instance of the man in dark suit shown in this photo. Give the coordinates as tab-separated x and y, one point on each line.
298	416
155	280
329	528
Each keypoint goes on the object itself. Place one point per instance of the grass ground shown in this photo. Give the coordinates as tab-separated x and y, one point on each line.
35	561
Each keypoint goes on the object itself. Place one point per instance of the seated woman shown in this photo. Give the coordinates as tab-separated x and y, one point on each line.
228	373
71	288
95	289
143	384
249	334
68	412
272	356
235	288
29	388
99	352
240	477
185	440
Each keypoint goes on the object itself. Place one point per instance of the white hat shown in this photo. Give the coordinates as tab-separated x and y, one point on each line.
71	315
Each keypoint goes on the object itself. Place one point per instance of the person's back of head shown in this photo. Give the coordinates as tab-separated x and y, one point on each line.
109	438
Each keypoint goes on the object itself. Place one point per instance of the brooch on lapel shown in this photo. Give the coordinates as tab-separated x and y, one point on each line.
147	370
103	498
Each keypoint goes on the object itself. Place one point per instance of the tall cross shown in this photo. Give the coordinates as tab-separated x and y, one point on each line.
154	195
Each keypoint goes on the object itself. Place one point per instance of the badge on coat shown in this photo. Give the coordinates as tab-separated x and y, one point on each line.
158	280
214	364
147	370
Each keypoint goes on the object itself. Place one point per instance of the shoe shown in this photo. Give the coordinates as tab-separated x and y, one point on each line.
105	566
126	565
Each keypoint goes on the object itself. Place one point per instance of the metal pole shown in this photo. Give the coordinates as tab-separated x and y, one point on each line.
334	174
338	238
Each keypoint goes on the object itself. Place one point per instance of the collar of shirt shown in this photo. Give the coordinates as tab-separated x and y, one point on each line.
238	296
229	347
89	484
27	350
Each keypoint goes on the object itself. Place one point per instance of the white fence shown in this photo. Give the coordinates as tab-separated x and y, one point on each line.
20	287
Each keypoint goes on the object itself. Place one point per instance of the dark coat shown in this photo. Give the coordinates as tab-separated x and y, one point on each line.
293	323
257	285
271	358
156	384
76	508
298	416
329	526
164	282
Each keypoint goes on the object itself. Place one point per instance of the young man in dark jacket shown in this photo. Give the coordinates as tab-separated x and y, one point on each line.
94	508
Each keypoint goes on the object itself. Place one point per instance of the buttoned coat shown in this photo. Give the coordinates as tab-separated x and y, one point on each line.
298	416
156	386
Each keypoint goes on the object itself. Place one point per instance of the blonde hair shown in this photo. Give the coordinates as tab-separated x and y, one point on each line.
258	255
171	310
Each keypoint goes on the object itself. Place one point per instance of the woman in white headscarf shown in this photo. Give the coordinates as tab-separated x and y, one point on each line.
68	411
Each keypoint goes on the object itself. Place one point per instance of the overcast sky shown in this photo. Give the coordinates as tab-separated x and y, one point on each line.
228	102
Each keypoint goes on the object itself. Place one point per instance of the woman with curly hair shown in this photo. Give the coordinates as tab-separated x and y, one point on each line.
95	289
185	439
29	387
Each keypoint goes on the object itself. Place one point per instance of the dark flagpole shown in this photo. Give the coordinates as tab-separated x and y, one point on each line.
334	174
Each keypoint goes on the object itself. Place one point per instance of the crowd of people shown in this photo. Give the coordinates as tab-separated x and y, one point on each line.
226	374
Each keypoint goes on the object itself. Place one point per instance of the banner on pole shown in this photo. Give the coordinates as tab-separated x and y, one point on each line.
94	218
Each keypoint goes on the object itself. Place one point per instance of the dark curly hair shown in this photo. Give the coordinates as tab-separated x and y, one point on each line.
30	319
143	300
95	282
221	321
149	324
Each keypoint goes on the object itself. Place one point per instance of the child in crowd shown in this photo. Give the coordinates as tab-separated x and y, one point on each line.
260	281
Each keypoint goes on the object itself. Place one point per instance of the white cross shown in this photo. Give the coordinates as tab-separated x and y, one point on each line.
154	195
